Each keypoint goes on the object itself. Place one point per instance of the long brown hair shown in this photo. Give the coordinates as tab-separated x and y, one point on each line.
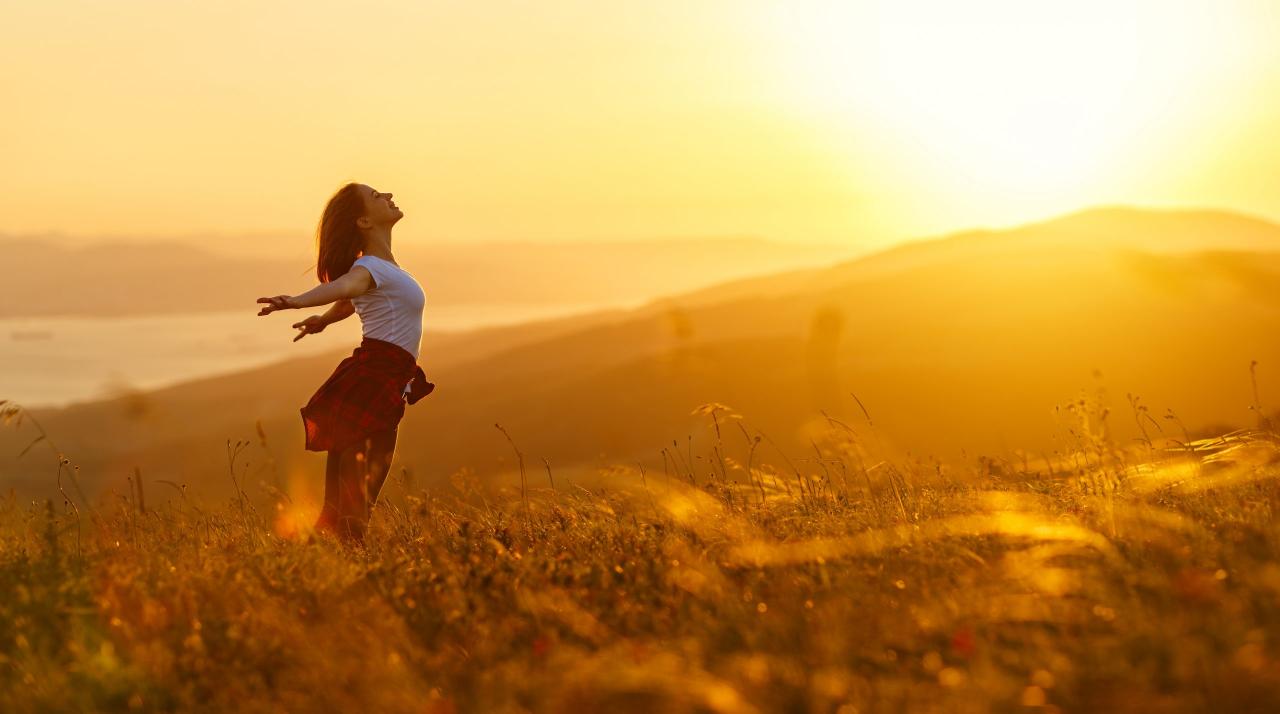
338	238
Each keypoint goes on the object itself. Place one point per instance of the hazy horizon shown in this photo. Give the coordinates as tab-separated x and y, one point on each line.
286	244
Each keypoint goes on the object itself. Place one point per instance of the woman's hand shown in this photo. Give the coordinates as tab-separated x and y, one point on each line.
279	302
310	326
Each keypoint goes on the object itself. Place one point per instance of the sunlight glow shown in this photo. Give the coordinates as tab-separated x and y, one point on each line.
854	121
999	95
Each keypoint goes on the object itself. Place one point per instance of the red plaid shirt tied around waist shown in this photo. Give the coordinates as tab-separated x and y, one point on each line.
365	394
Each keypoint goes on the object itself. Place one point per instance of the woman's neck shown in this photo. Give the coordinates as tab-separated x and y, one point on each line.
378	244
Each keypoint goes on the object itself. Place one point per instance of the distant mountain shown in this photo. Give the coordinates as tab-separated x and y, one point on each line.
1091	230
1160	231
977	343
121	278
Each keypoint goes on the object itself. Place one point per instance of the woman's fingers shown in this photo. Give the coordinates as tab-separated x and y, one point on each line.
279	302
309	326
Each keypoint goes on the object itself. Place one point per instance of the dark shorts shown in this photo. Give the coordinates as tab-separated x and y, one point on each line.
367	393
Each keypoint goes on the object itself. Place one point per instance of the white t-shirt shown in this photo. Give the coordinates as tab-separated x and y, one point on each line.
392	310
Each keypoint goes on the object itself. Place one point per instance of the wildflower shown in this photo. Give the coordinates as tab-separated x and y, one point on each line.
963	642
540	646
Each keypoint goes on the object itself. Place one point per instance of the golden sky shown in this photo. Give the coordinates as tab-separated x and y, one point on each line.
861	122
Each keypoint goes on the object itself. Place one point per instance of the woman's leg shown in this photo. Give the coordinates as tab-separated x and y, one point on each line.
382	450
328	520
362	469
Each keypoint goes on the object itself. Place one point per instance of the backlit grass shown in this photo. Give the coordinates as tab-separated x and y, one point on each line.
1111	578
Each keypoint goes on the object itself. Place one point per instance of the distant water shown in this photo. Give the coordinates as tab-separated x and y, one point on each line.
53	361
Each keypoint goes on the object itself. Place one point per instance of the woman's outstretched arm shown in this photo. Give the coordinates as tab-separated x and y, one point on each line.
353	283
315	324
339	311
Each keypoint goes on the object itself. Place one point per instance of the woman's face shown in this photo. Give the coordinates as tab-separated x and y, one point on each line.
379	209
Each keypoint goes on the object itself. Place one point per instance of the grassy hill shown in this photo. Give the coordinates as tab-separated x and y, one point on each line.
1119	578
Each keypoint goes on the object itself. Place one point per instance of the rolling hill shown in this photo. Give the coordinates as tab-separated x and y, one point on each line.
970	344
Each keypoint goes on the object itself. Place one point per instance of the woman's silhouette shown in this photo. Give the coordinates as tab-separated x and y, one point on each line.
355	414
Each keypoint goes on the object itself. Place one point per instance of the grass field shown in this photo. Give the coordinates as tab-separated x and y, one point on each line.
1115	577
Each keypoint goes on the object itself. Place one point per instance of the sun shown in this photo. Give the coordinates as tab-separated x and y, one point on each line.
1011	96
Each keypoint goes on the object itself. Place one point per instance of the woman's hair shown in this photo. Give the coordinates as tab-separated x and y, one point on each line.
338	238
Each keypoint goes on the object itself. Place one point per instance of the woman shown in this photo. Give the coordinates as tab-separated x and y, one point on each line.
355	413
